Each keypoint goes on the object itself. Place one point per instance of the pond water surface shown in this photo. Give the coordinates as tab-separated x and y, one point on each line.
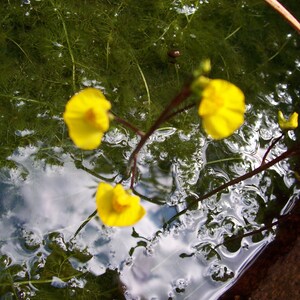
52	49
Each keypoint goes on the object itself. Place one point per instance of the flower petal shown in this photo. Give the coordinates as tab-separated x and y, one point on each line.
222	108
86	116
84	136
110	216
127	218
288	124
222	125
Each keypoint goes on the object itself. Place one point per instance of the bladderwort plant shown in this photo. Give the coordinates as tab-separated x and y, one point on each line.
221	106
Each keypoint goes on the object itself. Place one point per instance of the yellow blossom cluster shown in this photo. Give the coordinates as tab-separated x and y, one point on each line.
87	116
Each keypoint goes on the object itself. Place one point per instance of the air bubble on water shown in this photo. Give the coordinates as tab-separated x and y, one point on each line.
58	239
116	136
292	135
58	45
21	294
219	272
31	240
245	244
189	220
163	155
23	133
180	285
5	261
42	261
186	10
149	251
129	296
171	296
266	134
175	198
21	274
93	83
184	137
282	93
133	141
76	283
270	98
249	214
162	134
43	115
19	103
129	261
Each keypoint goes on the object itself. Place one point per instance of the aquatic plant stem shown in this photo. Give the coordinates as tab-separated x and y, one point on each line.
23	51
289	153
285	13
270	147
39	281
187	107
145	82
133	170
240	236
266	227
128	125
16	98
183	95
89	218
69	47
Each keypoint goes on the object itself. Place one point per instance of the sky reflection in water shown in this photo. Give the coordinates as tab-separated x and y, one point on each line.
45	199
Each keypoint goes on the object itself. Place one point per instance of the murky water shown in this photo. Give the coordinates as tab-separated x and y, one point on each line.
47	186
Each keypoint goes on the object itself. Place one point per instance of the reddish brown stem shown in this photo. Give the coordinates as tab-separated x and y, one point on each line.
235	237
171	115
184	94
128	125
269	149
133	173
291	152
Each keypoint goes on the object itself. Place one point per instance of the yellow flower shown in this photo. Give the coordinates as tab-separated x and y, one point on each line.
86	116
222	107
288	124
118	207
